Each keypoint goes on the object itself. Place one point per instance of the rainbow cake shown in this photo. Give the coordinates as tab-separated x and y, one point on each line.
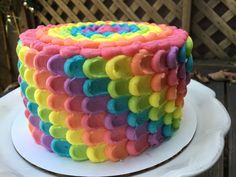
104	90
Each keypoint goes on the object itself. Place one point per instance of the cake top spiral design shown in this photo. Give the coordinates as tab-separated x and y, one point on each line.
103	31
98	35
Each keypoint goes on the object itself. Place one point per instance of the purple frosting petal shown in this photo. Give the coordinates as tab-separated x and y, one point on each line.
156	139
46	142
171	58
113	121
95	104
136	133
56	64
94	28
74	86
19	79
34	120
25	101
181	71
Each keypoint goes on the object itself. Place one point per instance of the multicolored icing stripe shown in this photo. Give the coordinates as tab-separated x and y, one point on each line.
105	90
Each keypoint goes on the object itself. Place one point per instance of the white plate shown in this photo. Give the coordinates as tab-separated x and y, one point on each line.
201	153
40	157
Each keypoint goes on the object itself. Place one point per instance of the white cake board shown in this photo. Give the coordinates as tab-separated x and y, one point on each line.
40	157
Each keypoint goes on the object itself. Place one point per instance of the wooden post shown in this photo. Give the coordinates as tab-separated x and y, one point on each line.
186	15
5	67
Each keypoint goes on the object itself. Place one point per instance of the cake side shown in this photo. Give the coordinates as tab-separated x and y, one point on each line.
104	90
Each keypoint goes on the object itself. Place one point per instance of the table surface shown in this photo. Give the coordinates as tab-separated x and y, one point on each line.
225	166
226	93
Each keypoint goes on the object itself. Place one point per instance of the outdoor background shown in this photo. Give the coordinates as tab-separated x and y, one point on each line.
211	24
